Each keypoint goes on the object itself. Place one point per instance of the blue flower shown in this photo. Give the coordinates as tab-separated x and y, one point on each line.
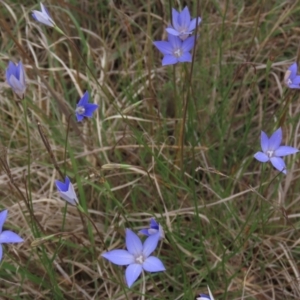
84	108
15	77
43	16
272	151
205	297
291	79
137	256
175	50
66	191
154	228
7	236
183	26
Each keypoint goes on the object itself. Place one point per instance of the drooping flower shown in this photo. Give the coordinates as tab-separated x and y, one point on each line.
15	77
272	151
205	297
175	50
137	256
154	228
43	16
84	108
7	236
183	26
291	79
66	191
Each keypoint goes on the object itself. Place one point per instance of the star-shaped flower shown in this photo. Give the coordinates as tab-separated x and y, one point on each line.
291	79
137	256
175	50
84	108
7	236
15	77
183	26
272	151
43	16
154	228
66	191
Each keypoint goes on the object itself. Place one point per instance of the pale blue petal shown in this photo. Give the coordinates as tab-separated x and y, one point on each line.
285	150
175	18
296	81
262	157
44	10
119	257
188	44
42	18
193	23
175	42
278	164
84	99
153	223
172	31
153	264
79	117
185	57
203	297
294	86
133	243
144	231
89	109
264	142
164	47
185	18
16	86
22	75
169	60
1	252
132	273
8	236
150	244
294	69
275	140
63	186
66	191
11	70
3	216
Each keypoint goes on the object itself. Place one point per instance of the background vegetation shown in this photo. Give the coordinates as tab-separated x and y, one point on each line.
230	222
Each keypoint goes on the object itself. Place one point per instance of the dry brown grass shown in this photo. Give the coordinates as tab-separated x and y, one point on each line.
228	224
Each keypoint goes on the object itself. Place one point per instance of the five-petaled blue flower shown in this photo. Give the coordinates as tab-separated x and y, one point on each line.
7	236
84	108
291	79
154	228
205	297
272	151
66	191
15	77
43	16
137	256
183	26
175	50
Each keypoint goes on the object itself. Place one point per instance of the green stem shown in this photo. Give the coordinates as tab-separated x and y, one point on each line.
24	103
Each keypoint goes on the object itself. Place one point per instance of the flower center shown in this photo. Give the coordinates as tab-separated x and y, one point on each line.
270	153
80	110
178	52
140	259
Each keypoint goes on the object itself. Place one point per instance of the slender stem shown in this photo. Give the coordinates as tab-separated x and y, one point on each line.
186	100
24	102
66	144
143	285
